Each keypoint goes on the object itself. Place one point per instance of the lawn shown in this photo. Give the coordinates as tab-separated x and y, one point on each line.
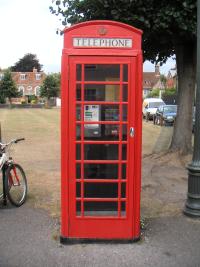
40	153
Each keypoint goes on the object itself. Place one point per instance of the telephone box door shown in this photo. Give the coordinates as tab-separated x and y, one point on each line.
101	147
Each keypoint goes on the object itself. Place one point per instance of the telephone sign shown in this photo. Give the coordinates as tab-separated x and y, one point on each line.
102	42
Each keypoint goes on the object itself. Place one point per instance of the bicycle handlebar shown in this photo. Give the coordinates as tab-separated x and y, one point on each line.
11	142
18	140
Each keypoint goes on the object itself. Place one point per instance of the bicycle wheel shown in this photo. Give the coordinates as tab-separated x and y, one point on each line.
16	185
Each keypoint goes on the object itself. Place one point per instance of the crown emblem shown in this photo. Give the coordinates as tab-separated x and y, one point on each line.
102	30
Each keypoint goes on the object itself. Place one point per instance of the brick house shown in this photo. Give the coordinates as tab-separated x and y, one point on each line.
151	80
172	78
28	83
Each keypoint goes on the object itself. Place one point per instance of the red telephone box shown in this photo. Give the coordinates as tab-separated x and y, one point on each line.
101	131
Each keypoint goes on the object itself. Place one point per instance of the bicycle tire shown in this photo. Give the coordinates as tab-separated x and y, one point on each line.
1	184
16	185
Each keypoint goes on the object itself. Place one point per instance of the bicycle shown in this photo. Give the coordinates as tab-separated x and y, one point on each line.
13	183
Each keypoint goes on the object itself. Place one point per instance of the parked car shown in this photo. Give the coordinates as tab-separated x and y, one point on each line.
165	115
150	106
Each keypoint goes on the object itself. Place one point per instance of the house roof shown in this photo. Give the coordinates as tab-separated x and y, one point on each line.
150	79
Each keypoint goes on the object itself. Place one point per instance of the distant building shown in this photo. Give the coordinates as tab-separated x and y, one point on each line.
151	80
28	83
172	78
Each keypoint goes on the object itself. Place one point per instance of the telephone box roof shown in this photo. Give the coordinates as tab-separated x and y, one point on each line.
103	22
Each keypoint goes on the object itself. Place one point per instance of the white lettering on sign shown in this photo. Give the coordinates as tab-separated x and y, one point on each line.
102	42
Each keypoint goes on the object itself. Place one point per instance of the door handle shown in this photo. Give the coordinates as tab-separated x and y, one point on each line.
132	132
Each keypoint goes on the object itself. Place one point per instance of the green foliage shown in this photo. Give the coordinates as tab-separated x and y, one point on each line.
27	63
169	92
32	99
8	89
165	23
163	79
51	86
2	99
154	93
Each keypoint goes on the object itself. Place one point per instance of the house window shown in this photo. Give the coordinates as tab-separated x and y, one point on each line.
21	90
29	90
22	76
37	76
37	90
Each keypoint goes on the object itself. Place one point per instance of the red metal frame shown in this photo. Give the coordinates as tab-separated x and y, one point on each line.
119	226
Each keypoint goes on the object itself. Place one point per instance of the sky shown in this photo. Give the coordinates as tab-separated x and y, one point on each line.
27	26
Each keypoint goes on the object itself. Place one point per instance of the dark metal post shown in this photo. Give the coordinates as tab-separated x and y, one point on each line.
192	205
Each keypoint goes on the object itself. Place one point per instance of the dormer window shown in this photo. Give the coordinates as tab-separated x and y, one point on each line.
37	76
22	76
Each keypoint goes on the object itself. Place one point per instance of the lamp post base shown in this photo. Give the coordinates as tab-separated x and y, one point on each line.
192	205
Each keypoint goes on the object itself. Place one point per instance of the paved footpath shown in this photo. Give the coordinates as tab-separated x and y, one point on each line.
26	239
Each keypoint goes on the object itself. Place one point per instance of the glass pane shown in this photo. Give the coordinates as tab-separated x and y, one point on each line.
78	72
101	190
125	73
78	92
92	113
78	132
124	112
78	189
100	171
102	72
101	92
78	208
125	92
78	151
123	190
124	152
102	113
100	208
101	132
78	171
123	209
110	113
123	171
124	132
101	152
92	132
78	112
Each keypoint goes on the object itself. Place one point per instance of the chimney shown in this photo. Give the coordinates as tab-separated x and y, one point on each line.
34	70
157	69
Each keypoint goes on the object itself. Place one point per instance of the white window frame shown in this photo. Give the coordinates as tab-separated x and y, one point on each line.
21	88
38	76
22	76
37	88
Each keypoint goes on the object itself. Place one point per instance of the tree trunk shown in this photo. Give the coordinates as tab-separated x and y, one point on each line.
186	71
